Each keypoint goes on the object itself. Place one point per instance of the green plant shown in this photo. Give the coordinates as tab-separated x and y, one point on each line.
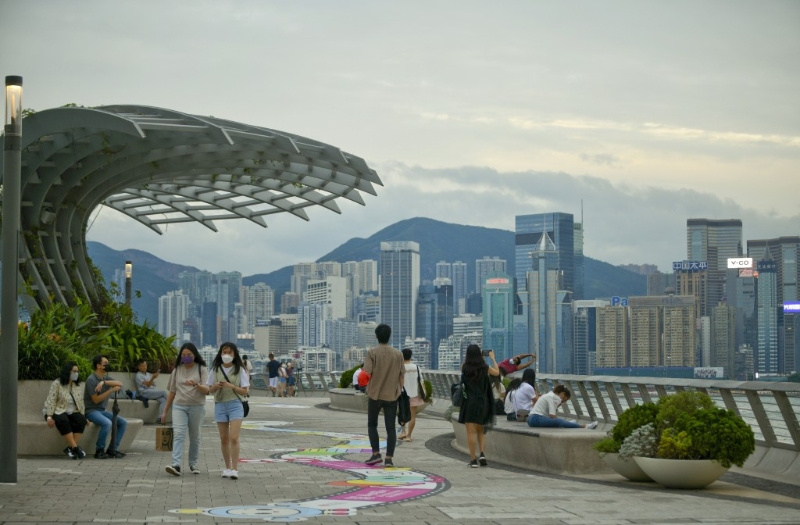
642	442
708	433
346	379
671	407
633	418
607	445
428	386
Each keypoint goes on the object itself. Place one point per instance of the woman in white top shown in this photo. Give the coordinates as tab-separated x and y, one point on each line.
64	409
544	411
522	396
228	408
415	390
187	389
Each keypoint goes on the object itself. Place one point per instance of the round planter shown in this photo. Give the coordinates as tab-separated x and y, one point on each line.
627	468
681	473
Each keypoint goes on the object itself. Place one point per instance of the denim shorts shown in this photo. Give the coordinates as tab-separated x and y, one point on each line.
228	411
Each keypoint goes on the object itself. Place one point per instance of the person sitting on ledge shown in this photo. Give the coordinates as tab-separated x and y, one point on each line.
99	387
64	409
544	411
146	387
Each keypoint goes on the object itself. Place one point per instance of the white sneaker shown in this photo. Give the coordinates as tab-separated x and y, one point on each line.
234	474
591	425
226	473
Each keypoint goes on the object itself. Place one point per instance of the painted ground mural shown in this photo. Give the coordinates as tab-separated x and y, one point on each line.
362	487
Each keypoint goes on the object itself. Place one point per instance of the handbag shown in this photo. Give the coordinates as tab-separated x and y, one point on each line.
164	437
458	393
421	387
245	404
403	408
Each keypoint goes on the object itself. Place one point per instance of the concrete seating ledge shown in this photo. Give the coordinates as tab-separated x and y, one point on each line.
348	399
551	450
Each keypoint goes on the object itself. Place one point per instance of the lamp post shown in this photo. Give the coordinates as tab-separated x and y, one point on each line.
128	275
9	316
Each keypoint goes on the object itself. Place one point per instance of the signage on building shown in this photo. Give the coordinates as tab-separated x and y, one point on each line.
747	272
708	372
740	262
767	266
692	266
497	280
791	307
619	301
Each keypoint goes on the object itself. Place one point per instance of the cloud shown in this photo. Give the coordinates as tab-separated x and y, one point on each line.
601	159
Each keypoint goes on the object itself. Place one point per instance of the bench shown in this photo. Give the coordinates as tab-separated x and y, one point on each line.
36	438
552	450
348	399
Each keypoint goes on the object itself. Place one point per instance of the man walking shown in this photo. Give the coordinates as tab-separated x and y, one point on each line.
272	369
384	364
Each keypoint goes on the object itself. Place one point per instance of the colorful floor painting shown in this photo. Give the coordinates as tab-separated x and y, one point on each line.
366	486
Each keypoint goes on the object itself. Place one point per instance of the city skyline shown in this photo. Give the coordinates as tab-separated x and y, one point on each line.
647	114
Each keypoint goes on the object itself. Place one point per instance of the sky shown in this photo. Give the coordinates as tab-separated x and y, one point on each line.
634	115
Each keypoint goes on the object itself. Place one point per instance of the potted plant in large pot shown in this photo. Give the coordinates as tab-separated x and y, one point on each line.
628	421
691	443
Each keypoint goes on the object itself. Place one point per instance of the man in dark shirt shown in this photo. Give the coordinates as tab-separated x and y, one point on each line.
99	387
272	368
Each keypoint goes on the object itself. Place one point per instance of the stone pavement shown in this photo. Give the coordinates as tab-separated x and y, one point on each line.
304	461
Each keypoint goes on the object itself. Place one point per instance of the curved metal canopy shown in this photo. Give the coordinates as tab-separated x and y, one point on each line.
159	167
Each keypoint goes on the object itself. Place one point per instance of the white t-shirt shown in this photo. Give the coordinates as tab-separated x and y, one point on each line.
410	380
523	397
547	405
355	377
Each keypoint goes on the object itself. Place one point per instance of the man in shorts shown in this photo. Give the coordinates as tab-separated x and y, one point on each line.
272	369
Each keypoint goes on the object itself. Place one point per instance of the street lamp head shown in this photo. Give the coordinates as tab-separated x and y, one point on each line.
128	269
14	104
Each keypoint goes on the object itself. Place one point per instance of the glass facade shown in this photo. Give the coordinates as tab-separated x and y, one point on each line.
561	230
498	314
400	280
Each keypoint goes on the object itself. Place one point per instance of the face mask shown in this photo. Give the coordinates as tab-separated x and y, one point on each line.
74	376
227	359
186	359
107	367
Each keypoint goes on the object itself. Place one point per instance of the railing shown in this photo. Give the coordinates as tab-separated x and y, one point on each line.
769	408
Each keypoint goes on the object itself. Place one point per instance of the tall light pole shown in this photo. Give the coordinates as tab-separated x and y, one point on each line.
9	316
128	276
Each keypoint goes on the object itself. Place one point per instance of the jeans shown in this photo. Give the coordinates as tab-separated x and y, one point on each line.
103	419
186	418
535	420
374	406
155	395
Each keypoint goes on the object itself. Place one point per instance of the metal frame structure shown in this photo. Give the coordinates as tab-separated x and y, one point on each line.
160	167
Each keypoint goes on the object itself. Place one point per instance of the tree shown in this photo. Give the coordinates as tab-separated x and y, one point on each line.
794	378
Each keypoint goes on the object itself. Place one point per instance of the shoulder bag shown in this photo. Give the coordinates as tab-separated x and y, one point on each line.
245	404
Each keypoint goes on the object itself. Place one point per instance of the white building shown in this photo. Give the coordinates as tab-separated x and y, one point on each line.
318	359
173	309
331	291
259	303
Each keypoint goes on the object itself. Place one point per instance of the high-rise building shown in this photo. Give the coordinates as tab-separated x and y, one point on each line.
444	270
723	339
331	291
663	331
289	303
585	335
197	285
340	334
766	352
311	319
420	352
691	279
434	314
560	230
659	283
578	281
484	267
210	325
613	337
713	241
498	314
173	310
467	324
400	280
550	310
259	304
459	286
785	253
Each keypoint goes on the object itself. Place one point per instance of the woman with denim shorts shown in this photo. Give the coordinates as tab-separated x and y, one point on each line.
187	390
229	382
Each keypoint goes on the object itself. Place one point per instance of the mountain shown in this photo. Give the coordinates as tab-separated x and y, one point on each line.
439	241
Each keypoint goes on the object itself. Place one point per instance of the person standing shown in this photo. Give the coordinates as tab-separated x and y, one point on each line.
414	388
99	387
64	409
477	411
229	382
384	366
291	381
282	383
146	387
187	396
272	369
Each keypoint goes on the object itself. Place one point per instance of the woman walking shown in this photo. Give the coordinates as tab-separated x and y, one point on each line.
187	390
229	382
64	409
412	381
477	411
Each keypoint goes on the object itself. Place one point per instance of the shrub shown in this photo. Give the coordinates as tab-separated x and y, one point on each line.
671	407
708	433
642	442
346	379
607	445
633	418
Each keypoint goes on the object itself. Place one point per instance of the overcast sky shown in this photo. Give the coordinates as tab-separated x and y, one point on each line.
470	112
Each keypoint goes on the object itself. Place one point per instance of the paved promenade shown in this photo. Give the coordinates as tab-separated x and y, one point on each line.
304	461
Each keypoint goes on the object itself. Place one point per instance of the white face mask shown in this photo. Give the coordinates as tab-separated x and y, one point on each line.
227	359
74	376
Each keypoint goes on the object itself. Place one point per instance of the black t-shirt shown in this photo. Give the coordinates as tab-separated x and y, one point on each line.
273	367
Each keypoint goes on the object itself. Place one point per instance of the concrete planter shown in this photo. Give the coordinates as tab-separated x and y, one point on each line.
627	468
681	473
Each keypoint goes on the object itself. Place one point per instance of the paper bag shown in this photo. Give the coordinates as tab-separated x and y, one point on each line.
164	439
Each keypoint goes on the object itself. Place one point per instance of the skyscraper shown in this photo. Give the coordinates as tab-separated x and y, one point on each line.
434	315
400	279
766	351
613	337
498	314
484	267
560	229
173	308
585	335
459	286
444	270
713	241
259	304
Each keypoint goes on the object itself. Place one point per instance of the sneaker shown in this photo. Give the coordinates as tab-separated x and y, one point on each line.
78	453
194	469
234	474
100	454
158	421
473	463
388	462
226	473
116	454
591	425
374	459
68	452
175	470
482	460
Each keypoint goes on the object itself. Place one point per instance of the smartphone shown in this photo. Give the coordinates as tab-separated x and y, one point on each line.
486	353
